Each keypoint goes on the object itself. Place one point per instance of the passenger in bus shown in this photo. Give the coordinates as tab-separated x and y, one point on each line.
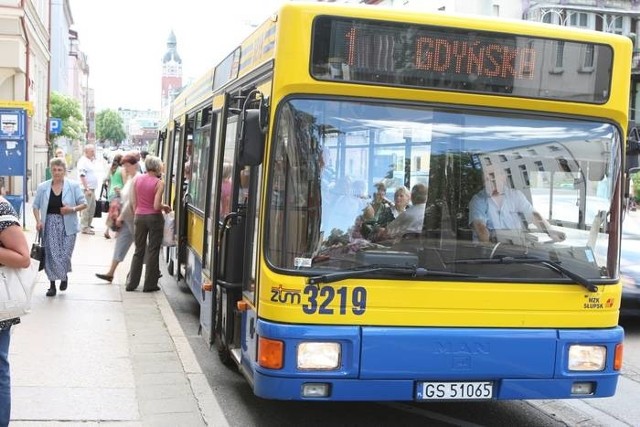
401	200
409	221
378	213
498	207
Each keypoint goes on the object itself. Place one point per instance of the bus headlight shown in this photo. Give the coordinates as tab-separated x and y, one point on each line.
587	357
318	355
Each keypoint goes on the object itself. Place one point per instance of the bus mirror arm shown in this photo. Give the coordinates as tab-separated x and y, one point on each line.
253	128
251	139
632	158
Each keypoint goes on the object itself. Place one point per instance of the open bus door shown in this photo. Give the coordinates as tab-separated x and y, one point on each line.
180	181
236	256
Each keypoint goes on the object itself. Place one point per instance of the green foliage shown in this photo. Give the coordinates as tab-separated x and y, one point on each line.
109	127
635	177
69	110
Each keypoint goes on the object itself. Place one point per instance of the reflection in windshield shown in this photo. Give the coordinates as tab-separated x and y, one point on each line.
342	173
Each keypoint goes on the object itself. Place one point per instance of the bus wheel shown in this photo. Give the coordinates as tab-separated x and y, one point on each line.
171	268
224	354
220	331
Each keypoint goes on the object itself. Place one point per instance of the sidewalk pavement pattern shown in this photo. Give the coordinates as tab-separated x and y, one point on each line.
98	355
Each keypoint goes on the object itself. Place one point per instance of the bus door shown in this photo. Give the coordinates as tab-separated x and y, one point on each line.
168	151
183	146
236	256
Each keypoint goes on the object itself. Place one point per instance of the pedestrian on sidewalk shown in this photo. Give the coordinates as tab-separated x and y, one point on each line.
146	200
14	252
55	208
88	176
124	221
114	183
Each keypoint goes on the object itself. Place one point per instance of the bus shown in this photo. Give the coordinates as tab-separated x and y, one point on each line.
272	161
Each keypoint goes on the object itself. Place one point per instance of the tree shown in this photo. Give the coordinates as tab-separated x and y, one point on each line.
67	109
109	127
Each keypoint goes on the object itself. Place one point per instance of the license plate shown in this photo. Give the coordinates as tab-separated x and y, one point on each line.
455	390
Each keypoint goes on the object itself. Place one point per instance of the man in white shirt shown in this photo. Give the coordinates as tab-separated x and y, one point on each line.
498	207
88	176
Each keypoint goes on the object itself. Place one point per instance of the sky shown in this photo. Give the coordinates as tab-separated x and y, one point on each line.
124	41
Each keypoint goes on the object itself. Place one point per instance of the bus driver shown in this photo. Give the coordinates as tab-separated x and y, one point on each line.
498	207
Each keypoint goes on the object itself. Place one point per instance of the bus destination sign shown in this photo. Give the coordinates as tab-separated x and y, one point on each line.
388	53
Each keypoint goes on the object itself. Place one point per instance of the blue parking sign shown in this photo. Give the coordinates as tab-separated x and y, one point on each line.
55	126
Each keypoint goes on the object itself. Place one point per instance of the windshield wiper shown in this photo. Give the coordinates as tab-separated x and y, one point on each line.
410	271
554	265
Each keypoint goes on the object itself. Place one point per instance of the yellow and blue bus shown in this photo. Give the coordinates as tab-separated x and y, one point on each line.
277	156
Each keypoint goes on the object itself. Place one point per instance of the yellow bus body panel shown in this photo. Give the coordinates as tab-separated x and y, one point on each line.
440	304
195	232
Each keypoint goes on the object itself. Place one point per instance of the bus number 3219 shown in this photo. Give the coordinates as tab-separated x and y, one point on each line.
320	299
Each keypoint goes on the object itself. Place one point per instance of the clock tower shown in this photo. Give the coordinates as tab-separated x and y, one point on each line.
171	72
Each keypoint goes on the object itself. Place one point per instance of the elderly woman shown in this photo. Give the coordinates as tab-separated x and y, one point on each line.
55	208
146	201
401	200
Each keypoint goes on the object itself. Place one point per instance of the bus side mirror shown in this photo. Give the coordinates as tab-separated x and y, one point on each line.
632	161
251	139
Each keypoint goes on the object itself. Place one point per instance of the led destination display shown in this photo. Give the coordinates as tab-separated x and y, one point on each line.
396	54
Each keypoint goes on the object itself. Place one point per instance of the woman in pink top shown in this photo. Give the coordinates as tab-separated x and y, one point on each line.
146	201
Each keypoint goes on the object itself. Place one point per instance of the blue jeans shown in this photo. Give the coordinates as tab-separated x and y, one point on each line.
5	381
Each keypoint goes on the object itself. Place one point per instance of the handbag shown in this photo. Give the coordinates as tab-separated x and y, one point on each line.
37	251
16	288
102	204
168	232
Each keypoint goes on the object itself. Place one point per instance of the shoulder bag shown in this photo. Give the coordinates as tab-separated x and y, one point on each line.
102	204
16	287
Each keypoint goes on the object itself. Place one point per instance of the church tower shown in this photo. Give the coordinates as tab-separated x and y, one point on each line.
171	72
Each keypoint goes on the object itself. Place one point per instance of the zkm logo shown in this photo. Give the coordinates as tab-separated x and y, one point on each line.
594	303
285	296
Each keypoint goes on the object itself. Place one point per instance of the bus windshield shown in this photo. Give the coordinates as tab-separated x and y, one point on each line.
357	185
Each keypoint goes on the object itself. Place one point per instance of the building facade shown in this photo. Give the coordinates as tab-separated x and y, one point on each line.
24	81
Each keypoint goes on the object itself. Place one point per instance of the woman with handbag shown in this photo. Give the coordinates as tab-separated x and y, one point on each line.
123	220
146	201
55	208
14	252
